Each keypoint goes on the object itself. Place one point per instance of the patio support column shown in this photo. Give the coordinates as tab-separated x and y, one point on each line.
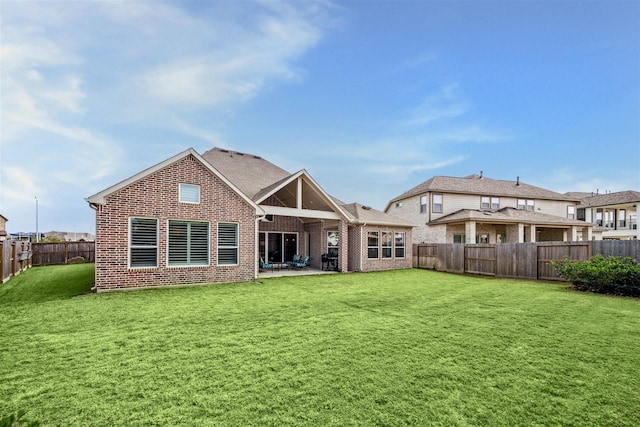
470	232
299	194
587	234
520	233
343	243
532	234
573	233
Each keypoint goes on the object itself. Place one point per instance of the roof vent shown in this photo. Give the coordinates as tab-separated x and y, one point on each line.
480	174
518	180
366	208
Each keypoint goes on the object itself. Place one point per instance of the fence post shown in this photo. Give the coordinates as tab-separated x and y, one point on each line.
13	258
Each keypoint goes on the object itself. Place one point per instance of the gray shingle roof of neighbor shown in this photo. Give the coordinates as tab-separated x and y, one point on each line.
508	214
617	198
365	214
251	174
481	185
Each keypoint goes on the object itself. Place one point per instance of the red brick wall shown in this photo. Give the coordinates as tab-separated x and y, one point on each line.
156	196
385	263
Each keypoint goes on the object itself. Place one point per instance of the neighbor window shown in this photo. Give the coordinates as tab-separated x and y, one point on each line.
526	204
188	243
622	218
189	193
482	238
400	244
332	243
485	202
571	212
599	217
228	243
531	205
143	242
372	244
459	238
437	202
387	244
423	204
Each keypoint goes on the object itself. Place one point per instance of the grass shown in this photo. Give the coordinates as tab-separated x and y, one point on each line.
409	347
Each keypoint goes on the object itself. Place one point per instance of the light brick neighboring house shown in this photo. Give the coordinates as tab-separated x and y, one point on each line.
208	218
3	227
477	209
615	213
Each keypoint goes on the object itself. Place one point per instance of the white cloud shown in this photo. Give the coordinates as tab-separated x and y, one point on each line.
75	73
229	68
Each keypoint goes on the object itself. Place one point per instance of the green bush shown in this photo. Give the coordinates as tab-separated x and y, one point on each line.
604	275
18	420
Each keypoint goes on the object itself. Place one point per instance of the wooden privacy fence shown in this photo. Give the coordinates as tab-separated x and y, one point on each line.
15	257
61	252
516	260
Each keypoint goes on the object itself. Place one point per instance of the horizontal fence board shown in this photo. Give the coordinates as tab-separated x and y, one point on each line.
517	260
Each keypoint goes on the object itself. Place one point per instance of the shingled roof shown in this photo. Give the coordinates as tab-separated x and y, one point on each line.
367	215
251	174
609	199
507	215
478	184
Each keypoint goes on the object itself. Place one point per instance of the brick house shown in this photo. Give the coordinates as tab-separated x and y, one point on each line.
209	218
477	209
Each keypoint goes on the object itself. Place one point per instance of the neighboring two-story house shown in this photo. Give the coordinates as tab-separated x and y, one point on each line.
209	218
477	209
615	213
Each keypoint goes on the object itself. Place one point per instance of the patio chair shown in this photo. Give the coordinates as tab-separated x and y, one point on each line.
303	264
265	266
296	259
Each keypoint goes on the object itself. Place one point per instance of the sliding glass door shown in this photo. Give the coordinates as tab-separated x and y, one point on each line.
278	247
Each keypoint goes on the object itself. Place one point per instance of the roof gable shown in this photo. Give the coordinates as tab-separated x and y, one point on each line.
99	198
301	191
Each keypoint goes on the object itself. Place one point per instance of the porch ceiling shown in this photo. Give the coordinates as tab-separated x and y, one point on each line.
311	199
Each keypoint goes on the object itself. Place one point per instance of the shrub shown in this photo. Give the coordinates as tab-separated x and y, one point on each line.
17	420
610	275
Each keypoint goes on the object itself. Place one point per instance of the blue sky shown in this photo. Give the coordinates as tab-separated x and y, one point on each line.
370	97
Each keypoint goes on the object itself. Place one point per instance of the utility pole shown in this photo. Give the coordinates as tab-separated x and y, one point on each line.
37	234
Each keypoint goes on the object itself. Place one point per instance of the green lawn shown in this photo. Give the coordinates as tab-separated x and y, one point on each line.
409	347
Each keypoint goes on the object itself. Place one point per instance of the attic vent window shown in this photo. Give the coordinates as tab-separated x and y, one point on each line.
399	205
189	193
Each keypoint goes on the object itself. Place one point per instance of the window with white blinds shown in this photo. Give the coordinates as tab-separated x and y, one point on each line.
227	243
189	193
188	243
143	242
